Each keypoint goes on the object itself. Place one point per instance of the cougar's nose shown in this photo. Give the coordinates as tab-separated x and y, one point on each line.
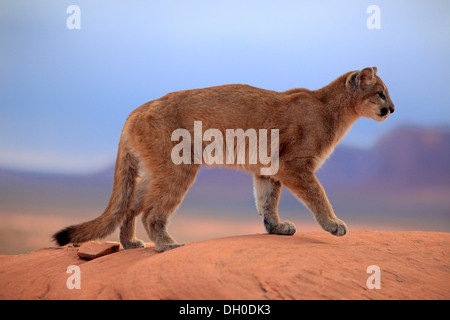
391	109
384	112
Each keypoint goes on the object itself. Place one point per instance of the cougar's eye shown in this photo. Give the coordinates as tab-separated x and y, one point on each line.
382	96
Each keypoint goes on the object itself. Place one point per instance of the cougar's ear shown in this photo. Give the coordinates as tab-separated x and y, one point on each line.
367	76
363	78
351	83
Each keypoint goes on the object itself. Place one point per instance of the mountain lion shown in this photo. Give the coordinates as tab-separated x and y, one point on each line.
309	124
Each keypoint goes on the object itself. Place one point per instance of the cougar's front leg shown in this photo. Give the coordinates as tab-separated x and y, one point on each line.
267	196
306	187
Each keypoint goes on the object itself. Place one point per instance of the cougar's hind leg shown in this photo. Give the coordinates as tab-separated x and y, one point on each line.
267	196
127	233
163	196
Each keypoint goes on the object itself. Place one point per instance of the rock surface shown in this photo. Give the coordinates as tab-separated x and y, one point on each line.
309	265
95	249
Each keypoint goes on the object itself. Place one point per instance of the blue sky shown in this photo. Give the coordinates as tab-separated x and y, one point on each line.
65	94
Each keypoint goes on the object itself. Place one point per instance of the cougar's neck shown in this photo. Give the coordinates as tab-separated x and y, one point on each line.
338	107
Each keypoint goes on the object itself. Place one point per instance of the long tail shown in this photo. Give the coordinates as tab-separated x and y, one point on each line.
122	195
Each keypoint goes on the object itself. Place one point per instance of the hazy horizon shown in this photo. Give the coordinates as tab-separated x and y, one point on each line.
400	184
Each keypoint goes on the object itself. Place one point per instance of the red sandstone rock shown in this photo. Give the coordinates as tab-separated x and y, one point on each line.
94	249
308	265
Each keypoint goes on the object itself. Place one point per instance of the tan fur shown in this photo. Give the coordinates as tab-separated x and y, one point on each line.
310	125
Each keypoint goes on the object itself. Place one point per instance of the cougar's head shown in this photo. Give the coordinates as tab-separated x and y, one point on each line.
372	96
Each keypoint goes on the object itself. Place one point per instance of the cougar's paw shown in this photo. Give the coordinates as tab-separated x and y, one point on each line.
284	228
166	247
335	226
133	244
